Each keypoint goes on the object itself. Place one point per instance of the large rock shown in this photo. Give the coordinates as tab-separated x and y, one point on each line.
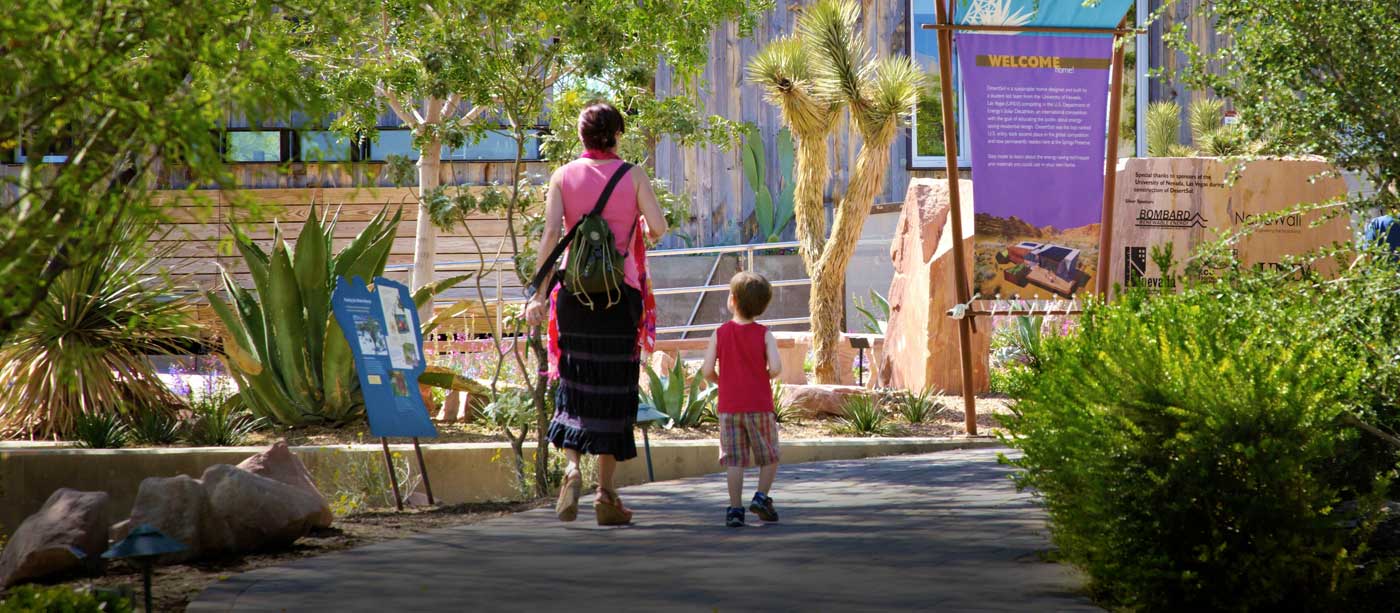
259	512
280	464
179	507
921	348
68	532
820	400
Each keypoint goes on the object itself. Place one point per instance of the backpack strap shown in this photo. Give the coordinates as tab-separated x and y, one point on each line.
553	258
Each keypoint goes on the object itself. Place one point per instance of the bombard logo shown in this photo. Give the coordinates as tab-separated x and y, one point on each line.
1168	218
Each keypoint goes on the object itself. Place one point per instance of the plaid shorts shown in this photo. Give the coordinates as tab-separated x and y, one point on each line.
748	439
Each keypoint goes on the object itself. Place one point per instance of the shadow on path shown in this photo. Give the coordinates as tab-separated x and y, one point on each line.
945	531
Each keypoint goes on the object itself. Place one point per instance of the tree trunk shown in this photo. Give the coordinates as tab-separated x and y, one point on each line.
828	295
424	233
809	197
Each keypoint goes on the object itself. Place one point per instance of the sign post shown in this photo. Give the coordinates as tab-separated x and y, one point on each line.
381	324
1038	123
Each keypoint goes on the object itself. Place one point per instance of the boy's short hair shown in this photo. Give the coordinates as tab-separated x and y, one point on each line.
751	293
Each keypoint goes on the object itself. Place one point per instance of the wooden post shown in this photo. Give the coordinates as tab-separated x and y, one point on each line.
423	470
1110	164
393	477
950	150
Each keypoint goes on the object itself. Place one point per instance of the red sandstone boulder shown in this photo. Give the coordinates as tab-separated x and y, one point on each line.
179	507
260	512
921	342
66	534
820	400
280	464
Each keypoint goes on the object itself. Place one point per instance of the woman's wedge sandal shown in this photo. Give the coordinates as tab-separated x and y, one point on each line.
609	509
567	506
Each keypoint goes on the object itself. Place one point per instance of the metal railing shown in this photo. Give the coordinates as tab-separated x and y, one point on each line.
502	265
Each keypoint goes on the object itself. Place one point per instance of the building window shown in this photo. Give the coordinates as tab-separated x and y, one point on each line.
324	146
926	131
496	146
392	142
53	157
254	146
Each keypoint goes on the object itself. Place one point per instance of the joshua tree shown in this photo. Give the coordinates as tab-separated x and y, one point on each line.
812	76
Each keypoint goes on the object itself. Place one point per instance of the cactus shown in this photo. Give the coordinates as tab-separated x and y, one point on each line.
284	348
773	214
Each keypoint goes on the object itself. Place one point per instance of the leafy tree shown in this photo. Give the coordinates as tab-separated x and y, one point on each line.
1308	77
454	69
812	77
122	88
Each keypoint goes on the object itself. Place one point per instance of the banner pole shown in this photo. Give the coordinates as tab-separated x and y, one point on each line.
423	470
950	151
393	478
1110	163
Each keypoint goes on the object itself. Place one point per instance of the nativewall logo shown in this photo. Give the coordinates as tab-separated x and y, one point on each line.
1168	218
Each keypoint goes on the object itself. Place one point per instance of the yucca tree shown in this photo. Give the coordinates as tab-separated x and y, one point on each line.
825	68
83	350
284	348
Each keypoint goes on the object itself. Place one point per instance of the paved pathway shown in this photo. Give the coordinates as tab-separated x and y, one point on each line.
944	531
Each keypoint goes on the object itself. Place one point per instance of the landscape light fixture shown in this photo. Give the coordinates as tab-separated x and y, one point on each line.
144	544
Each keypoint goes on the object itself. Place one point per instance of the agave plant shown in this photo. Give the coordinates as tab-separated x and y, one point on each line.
863	416
84	349
685	404
286	351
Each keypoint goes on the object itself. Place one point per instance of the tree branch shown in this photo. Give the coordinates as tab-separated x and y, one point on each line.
413	120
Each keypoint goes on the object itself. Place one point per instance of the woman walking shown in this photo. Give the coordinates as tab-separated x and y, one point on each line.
596	339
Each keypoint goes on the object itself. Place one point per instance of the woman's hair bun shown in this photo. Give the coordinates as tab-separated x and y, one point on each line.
598	126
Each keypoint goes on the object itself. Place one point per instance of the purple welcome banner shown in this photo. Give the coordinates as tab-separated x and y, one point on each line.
1037	112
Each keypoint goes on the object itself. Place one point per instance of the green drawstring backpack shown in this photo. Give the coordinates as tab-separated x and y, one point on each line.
594	266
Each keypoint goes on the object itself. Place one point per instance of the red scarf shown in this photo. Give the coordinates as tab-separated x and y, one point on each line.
599	154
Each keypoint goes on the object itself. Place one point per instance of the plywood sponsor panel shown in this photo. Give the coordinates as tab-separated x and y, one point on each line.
1186	202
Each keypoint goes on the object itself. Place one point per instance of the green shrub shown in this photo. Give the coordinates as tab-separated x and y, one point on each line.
222	424
85	346
355	481
100	431
863	416
1191	453
62	599
917	408
155	428
782	411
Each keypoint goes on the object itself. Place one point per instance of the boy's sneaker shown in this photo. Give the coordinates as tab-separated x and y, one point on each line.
763	507
734	518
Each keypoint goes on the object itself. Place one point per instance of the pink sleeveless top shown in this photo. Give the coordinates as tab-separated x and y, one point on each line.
581	182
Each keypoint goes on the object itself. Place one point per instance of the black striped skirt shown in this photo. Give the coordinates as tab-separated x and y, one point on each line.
595	405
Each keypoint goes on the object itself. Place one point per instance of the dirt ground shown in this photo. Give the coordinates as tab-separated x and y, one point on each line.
176	585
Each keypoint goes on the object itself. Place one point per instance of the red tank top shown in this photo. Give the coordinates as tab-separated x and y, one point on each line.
741	351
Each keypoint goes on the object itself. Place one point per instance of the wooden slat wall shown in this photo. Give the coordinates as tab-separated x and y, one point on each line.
1172	62
199	242
712	178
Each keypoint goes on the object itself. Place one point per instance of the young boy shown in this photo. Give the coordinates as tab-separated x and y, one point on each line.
748	430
